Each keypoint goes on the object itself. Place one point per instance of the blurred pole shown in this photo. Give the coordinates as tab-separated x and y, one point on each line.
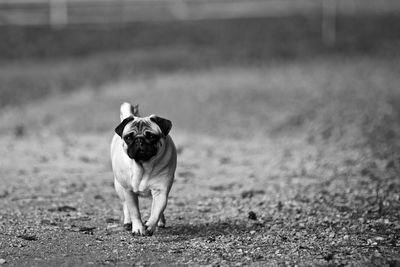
58	13
329	13
121	8
179	9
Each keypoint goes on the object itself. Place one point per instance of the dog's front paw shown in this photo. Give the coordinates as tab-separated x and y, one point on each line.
139	230
150	229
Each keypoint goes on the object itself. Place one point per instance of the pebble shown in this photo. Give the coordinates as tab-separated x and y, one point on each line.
252	215
2	261
210	239
175	251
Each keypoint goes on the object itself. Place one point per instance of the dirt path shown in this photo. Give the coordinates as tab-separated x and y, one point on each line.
286	192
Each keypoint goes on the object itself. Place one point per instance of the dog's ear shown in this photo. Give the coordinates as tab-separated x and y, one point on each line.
164	124
120	128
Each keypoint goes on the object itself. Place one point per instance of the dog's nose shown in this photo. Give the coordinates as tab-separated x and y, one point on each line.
139	143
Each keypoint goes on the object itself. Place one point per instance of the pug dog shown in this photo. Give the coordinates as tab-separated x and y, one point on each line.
143	158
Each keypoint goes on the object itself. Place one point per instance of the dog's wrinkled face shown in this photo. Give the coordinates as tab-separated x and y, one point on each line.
143	136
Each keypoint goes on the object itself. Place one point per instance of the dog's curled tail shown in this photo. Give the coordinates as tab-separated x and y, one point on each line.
127	110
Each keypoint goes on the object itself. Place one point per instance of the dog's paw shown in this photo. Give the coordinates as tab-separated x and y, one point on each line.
128	226
141	231
149	232
150	229
161	224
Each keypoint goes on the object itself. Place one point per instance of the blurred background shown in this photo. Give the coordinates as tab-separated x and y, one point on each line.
203	63
53	47
229	57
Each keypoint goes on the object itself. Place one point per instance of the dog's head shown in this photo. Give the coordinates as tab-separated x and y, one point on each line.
143	137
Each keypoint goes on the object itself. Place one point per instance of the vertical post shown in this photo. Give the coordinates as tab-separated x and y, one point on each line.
121	11
58	13
328	27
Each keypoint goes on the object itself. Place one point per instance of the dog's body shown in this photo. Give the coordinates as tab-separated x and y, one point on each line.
143	158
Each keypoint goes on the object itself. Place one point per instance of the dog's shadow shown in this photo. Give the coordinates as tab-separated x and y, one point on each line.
205	230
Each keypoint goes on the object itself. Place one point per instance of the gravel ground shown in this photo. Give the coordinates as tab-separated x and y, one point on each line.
301	168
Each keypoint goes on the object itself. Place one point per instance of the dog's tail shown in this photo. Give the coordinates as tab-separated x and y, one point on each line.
128	110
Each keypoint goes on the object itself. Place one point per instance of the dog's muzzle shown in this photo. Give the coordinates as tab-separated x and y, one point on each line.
141	150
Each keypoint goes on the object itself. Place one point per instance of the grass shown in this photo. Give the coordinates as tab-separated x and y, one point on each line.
36	62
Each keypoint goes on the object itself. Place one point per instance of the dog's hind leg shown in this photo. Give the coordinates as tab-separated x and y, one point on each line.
126	217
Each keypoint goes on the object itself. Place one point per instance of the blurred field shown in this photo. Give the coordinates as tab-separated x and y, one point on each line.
74	57
288	150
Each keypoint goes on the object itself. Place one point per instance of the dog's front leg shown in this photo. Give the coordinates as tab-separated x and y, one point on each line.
132	203
157	209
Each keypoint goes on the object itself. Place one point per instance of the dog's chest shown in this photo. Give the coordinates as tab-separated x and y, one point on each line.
140	181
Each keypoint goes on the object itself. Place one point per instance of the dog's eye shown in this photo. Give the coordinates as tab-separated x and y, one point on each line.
128	138
149	135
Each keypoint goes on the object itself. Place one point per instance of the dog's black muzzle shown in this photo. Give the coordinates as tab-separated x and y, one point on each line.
141	149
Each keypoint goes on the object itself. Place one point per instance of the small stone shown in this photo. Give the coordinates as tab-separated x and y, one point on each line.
329	256
4	194
210	239
86	230
252	232
174	250
2	261
19	131
279	206
251	193
28	237
99	197
252	215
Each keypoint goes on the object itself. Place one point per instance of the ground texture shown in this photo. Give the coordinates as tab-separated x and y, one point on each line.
280	164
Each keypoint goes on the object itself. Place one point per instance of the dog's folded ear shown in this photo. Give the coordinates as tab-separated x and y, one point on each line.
164	124
120	128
